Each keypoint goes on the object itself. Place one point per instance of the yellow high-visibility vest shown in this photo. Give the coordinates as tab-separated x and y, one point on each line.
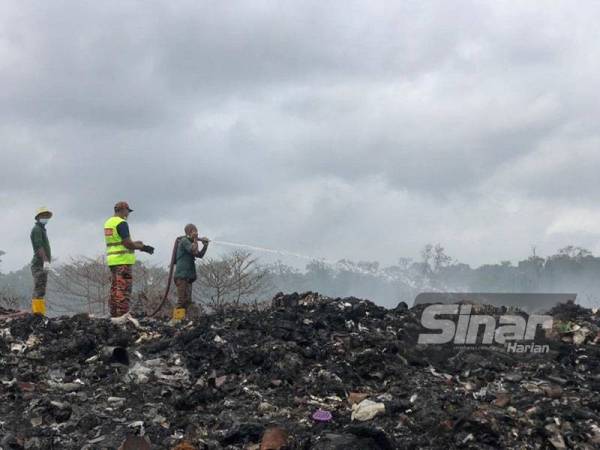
116	253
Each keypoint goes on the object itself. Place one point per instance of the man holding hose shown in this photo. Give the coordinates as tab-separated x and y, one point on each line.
120	257
185	271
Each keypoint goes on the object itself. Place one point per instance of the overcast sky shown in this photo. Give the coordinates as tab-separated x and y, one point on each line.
340	129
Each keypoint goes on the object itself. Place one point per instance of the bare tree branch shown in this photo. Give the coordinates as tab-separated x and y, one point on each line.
232	281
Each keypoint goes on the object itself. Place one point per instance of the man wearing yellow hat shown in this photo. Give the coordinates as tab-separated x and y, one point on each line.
120	257
40	264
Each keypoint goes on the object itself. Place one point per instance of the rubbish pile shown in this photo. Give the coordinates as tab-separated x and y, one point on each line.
310	372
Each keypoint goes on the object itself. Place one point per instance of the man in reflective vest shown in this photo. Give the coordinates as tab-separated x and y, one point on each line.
120	256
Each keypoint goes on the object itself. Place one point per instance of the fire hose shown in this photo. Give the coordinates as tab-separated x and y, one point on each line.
171	268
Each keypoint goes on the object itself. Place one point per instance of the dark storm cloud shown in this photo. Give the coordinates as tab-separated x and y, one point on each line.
293	124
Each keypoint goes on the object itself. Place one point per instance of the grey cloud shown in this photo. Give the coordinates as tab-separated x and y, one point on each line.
301	125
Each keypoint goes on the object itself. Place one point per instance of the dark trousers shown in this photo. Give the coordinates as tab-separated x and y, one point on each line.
120	290
40	280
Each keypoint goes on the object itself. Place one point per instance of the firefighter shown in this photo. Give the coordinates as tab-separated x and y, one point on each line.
120	257
185	271
42	256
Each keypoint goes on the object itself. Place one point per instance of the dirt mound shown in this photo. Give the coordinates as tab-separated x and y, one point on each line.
309	373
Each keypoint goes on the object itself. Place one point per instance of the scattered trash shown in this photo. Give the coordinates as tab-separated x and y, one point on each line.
184	446
124	319
502	400
96	440
366	410
275	438
117	355
266	407
273	379
356	397
133	442
322	416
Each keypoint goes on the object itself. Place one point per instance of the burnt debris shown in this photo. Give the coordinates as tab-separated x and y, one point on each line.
310	372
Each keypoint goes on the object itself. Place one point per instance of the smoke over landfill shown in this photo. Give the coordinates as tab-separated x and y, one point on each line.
569	270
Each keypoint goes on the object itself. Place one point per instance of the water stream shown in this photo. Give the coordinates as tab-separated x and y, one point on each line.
270	250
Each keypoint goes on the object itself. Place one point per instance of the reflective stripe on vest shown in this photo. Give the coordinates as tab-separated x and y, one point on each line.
116	253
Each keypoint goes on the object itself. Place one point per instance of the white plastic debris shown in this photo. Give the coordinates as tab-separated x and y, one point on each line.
138	424
65	387
469	438
124	319
32	341
596	433
385	397
580	335
139	373
366	410
17	348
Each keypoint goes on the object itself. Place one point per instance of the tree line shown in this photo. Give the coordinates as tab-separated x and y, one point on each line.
239	279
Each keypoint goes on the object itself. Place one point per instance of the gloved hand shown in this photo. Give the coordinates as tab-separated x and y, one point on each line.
46	266
205	240
148	249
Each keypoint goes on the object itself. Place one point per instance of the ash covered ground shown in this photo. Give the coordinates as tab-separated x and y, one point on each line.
255	379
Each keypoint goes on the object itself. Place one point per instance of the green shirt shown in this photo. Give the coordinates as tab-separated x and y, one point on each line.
39	239
185	260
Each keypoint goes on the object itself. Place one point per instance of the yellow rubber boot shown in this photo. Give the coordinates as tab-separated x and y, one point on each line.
178	314
38	306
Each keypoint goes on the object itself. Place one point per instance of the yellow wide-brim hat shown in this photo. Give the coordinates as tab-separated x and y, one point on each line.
42	210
